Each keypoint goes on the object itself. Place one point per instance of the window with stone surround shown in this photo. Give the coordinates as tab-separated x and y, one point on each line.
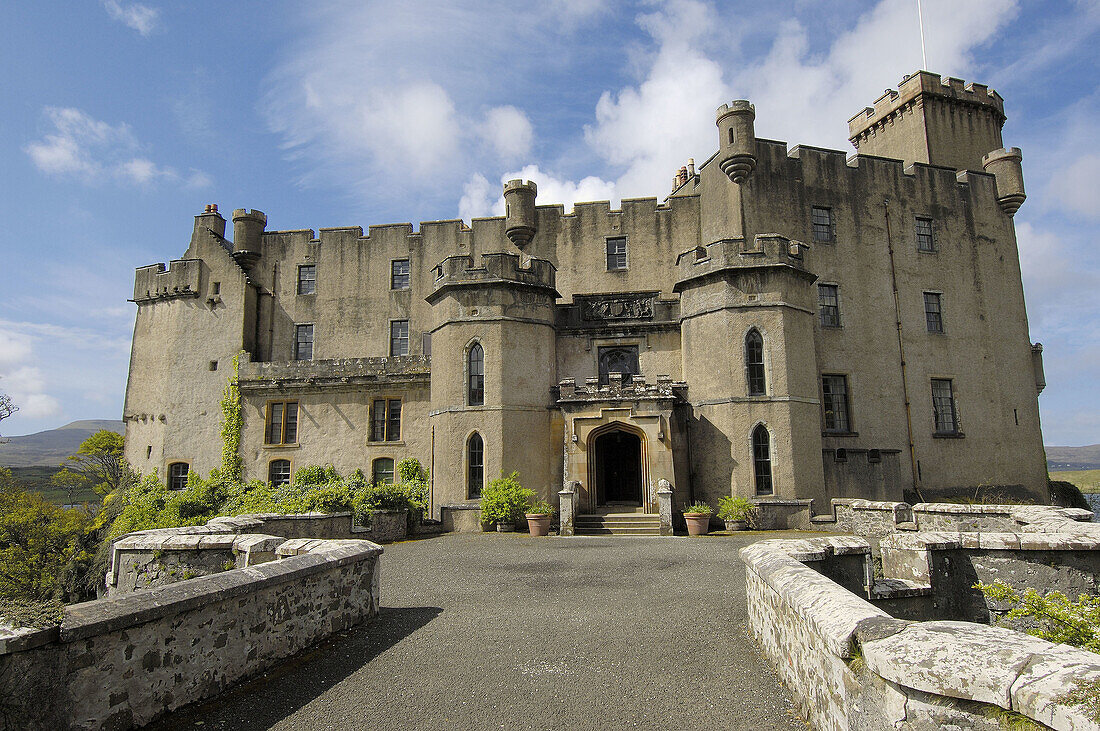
824	229
177	475
834	392
616	254
475	466
944	412
762	459
381	471
617	359
303	342
307	279
754	363
926	234
278	472
475	375
399	337
828	304
281	422
399	274
933	312
385	420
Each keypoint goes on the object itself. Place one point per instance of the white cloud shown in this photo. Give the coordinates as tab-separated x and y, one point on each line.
90	150
1074	187
142	18
477	198
508	131
480	198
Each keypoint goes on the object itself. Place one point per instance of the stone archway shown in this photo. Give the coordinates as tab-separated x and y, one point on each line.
618	468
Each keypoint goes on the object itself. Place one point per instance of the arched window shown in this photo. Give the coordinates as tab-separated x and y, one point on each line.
475	465
754	363
762	459
177	475
475	379
278	472
382	471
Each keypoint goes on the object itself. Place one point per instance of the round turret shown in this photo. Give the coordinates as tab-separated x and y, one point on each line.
737	139
1005	166
248	235
519	205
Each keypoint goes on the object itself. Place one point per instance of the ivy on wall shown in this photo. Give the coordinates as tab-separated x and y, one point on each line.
231	426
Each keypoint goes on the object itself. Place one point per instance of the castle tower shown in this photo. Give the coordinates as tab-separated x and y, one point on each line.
493	364
747	335
519	205
737	139
1005	166
933	121
248	236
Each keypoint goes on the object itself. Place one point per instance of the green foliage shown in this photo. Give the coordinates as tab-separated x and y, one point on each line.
44	549
504	500
735	508
1057	618
540	507
1085	480
36	614
699	507
231	425
98	463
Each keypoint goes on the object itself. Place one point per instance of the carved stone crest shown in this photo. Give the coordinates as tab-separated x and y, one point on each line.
618	308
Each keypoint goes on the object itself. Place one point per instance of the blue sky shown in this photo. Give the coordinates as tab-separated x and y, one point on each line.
123	119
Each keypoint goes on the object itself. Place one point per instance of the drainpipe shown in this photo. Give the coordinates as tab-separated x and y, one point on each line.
901	350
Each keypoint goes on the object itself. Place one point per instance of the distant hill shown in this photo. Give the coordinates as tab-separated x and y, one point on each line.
1073	458
50	448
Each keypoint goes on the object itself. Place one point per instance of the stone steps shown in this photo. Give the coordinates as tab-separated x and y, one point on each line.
621	524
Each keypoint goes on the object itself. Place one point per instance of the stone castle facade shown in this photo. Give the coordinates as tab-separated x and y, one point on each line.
786	324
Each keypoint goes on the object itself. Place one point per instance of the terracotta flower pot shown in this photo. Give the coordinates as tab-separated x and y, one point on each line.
737	524
698	523
539	523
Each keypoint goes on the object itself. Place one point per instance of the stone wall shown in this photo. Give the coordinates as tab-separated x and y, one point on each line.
850	665
121	662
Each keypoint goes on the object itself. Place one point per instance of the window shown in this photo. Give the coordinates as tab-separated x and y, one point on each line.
926	240
307	279
399	274
399	337
278	472
754	363
381	471
282	423
762	459
177	475
822	221
212	365
475	370
933	311
834	389
616	254
618	359
385	420
943	407
828	304
217	288
475	465
303	342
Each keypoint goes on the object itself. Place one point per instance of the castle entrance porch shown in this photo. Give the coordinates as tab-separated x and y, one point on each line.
618	469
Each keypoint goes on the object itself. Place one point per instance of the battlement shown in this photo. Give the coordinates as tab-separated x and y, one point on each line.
760	251
180	280
620	387
911	90
297	375
496	268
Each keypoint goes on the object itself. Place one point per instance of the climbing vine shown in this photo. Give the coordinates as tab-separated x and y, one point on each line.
231	426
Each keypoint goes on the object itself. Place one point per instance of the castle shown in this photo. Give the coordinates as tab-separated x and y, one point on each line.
786	324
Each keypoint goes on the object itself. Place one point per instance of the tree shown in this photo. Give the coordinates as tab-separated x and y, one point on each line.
7	408
99	460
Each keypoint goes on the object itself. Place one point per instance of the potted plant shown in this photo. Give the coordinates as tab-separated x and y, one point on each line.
539	514
697	516
504	501
737	512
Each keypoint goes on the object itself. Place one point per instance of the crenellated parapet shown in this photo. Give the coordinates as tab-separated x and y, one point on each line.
180	280
348	373
732	255
620	387
497	268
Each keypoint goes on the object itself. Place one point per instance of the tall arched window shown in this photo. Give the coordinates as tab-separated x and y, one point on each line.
762	459
475	369
754	363
475	465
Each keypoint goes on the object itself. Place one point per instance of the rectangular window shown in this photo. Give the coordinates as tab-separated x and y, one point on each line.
933	311
926	241
303	342
177	475
822	220
834	390
385	420
307	279
278	472
399	274
616	254
828	302
281	425
382	471
399	337
943	407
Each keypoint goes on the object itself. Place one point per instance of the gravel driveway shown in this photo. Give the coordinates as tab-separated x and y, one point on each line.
513	632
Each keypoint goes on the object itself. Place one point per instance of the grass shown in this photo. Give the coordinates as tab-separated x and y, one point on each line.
37	479
1085	480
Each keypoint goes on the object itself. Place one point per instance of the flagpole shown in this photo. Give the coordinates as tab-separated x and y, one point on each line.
923	54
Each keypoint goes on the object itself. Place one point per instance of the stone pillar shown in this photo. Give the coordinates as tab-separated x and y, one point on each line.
664	506
568	508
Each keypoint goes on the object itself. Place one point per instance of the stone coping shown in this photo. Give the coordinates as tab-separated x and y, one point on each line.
941	541
961	660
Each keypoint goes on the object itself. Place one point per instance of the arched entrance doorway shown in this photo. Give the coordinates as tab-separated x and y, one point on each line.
618	465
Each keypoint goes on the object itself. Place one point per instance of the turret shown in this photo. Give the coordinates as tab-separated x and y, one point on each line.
248	235
1004	165
519	206
737	139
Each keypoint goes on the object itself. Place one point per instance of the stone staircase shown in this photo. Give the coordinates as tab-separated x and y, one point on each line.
618	524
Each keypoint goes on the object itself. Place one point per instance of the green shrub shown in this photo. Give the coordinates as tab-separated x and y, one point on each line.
540	507
1057	617
735	508
699	507
504	500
